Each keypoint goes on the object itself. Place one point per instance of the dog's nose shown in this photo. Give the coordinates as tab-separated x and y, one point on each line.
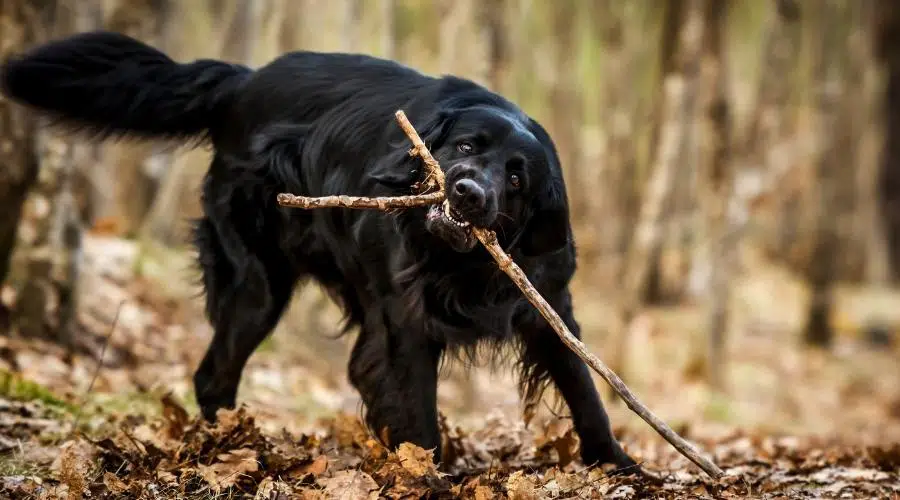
468	195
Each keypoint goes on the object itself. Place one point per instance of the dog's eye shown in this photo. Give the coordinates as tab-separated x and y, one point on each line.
465	147
514	180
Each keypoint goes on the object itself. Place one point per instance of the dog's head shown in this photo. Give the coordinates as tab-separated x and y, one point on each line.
502	173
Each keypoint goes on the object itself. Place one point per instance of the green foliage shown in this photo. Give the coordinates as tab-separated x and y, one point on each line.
14	387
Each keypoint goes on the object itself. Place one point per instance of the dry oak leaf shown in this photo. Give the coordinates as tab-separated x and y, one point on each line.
559	435
230	468
472	489
270	489
115	485
521	487
316	468
354	484
417	461
175	415
483	493
74	464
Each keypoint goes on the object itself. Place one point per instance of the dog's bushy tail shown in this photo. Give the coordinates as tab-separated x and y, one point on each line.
111	85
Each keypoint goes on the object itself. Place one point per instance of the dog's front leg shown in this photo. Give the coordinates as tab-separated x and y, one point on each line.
395	371
545	356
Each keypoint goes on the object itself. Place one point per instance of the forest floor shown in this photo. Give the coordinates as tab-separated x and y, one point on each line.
793	423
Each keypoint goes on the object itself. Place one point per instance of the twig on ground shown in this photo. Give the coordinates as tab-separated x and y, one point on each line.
488	238
90	387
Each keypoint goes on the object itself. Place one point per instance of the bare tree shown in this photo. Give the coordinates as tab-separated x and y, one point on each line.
387	17
493	20
719	178
18	161
830	30
680	80
352	17
42	221
886	34
565	110
870	143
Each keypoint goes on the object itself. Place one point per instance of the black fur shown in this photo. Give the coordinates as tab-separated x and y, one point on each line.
319	124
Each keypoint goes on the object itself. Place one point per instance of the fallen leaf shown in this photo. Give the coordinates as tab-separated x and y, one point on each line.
175	415
350	484
416	460
230	468
483	493
521	487
559	435
270	489
73	466
114	484
315	468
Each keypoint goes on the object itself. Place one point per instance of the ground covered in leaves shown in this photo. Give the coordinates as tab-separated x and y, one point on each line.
176	456
73	428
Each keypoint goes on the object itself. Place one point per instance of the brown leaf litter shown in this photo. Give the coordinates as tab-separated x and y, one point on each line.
176	456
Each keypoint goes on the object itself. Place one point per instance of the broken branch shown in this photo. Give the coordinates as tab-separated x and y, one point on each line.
435	179
364	202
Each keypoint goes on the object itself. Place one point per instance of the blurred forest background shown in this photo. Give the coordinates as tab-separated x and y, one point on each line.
733	167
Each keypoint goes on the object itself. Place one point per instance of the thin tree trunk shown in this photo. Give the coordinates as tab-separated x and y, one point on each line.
351	25
870	144
679	104
49	236
18	161
887	47
493	21
565	111
717	172
829	28
620	176
388	20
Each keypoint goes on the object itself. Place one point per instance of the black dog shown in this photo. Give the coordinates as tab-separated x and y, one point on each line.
318	124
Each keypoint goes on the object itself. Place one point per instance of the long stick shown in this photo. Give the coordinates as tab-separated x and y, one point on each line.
489	239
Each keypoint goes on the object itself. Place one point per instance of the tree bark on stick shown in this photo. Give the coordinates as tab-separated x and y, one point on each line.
489	239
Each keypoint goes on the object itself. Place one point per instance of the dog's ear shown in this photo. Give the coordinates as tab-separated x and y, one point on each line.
398	169
548	229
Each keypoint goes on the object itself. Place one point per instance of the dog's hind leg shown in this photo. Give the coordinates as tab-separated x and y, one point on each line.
244	301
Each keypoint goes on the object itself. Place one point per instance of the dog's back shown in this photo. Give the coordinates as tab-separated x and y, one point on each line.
111	85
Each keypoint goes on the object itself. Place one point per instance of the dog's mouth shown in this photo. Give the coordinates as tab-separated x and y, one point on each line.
446	223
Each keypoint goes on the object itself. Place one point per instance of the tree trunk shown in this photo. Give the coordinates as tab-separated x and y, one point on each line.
18	161
673	19
829	28
388	19
565	111
887	48
677	114
875	255
352	17
717	173
42	214
493	19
